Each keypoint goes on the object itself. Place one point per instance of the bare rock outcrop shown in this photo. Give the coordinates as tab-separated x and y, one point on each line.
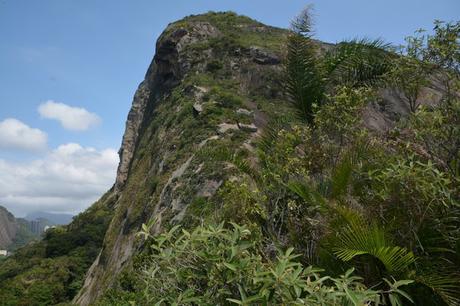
164	72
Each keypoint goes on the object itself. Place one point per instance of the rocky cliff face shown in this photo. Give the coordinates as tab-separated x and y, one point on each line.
214	82
8	228
201	90
165	71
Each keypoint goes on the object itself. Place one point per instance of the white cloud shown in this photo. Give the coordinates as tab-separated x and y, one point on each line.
14	134
71	118
68	179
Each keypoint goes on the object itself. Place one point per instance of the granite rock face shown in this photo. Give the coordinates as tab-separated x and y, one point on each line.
8	228
169	65
164	72
131	134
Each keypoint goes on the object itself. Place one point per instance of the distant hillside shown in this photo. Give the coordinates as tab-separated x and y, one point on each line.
54	219
24	235
8	228
17	232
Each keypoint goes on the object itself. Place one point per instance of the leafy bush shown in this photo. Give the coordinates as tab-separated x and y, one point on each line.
215	265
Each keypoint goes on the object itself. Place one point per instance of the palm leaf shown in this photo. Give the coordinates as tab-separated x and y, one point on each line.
446	287
303	78
341	178
342	173
308	194
358	62
359	238
270	134
302	24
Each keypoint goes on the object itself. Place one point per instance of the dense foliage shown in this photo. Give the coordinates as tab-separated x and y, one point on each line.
215	265
51	271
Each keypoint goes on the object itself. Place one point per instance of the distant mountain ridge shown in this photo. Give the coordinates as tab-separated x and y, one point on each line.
16	232
55	219
8	228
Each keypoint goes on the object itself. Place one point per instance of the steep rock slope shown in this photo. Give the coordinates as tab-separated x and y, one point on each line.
214	83
8	228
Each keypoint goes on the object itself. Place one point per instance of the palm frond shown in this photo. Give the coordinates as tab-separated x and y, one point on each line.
447	287
348	215
359	238
302	24
303	78
341	178
270	134
358	62
308	194
342	172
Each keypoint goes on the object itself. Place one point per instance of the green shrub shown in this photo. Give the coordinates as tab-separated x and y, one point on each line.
215	265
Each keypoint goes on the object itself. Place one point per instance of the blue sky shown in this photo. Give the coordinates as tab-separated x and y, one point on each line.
92	54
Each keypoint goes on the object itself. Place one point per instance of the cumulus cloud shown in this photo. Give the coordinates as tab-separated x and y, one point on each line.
15	134
70	117
68	179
